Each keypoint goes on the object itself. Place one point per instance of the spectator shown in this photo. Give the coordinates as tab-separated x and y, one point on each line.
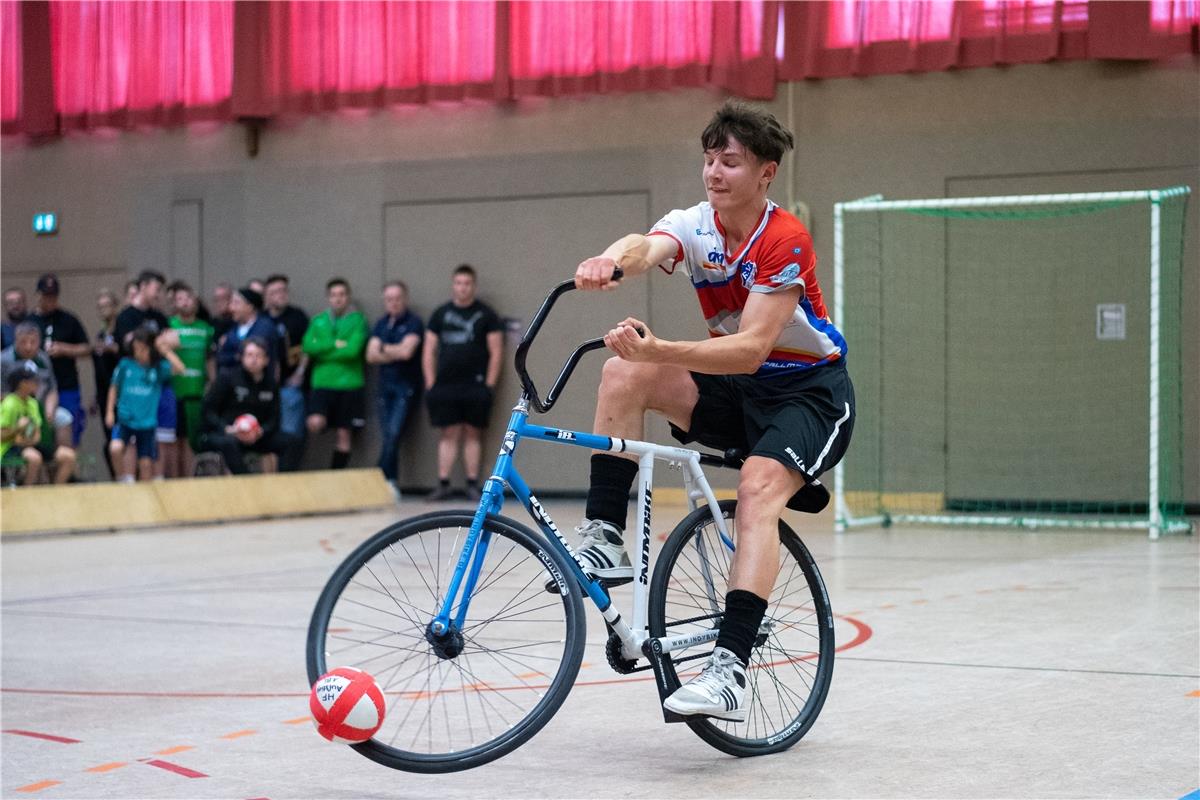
142	310
26	351
192	340
464	345
335	341
290	325
15	312
131	292
134	398
105	355
246	305
64	340
21	426
222	319
256	285
246	389
395	345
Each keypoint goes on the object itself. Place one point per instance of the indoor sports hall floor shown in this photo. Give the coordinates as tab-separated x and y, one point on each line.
981	664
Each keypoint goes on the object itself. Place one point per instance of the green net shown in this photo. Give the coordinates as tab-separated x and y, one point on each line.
1001	362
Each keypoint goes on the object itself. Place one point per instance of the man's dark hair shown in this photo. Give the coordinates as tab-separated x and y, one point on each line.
148	336
177	286
465	269
19	376
258	342
145	276
757	131
276	278
337	282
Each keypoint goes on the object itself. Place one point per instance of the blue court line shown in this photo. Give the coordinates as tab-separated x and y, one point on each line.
1191	795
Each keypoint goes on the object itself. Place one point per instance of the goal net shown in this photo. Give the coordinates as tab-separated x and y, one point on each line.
1016	360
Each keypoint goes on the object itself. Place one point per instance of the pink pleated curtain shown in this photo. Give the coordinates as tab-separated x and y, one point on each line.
82	65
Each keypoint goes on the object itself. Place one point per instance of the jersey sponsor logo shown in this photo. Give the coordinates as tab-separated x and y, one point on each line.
644	574
716	257
748	269
796	458
788	274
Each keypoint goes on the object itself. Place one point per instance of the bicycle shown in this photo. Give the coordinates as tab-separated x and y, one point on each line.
473	624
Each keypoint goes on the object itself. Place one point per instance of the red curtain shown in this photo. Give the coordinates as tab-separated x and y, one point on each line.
871	37
87	64
10	64
121	63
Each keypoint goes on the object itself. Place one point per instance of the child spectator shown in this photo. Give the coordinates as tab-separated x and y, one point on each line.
133	398
21	428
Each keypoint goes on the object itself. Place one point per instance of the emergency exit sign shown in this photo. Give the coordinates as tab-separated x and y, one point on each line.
45	223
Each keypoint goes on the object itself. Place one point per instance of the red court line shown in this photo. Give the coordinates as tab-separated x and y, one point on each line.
175	695
36	735
169	767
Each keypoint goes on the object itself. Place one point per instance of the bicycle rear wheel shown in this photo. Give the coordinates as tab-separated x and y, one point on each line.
792	661
453	703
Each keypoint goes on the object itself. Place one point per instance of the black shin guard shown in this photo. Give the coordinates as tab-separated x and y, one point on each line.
744	612
608	496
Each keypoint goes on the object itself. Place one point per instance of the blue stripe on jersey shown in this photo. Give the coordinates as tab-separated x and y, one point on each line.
824	326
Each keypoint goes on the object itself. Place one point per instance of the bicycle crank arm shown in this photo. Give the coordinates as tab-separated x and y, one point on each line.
652	650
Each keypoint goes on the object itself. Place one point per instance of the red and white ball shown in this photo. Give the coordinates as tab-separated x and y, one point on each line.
347	705
247	423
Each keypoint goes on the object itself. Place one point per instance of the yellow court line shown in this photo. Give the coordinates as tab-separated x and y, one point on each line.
37	787
297	721
238	734
170	751
107	767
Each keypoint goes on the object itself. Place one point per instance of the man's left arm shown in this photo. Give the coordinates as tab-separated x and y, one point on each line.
742	353
495	346
74	344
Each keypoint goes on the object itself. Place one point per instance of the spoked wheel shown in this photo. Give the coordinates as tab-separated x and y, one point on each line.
792	660
472	695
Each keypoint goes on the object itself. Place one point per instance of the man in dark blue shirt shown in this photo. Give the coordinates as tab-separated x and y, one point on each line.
246	305
395	345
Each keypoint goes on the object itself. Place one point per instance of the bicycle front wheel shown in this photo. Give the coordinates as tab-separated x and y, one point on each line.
792	661
462	700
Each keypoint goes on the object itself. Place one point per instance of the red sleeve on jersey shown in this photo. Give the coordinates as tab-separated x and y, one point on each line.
787	261
678	251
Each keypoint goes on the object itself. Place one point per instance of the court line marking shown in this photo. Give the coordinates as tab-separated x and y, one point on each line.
37	787
239	734
1194	694
170	751
169	767
1030	669
48	736
107	767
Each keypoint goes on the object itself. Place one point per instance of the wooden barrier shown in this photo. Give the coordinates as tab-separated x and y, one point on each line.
114	506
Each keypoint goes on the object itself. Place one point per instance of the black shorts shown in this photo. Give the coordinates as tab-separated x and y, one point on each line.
802	420
341	408
452	403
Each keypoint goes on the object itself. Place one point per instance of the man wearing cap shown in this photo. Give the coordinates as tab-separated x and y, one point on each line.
246	307
64	340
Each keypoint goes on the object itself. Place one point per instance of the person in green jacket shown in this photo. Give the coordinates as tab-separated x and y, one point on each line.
335	341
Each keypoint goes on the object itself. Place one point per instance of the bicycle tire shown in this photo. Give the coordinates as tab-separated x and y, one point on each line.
785	705
482	666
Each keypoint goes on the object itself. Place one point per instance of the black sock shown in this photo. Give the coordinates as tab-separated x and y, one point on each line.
444	483
744	612
471	482
340	459
608	497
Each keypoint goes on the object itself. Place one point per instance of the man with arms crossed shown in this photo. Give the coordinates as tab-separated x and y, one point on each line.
770	379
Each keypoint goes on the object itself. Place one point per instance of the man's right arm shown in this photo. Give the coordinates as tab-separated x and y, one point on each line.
429	358
635	254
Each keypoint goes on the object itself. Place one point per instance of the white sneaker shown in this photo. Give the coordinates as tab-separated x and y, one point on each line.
718	691
602	552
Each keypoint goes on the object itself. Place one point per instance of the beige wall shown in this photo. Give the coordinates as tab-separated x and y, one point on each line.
313	202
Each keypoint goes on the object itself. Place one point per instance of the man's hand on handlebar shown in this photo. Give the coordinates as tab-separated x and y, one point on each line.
632	341
596	273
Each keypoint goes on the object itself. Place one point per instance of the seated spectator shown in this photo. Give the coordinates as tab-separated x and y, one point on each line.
249	388
246	306
26	352
133	400
21	429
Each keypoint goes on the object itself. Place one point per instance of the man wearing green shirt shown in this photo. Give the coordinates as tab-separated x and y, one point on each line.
334	342
192	340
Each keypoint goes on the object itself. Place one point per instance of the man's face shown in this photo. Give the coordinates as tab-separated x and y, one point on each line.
47	303
185	303
276	296
27	344
14	304
735	177
339	298
131	293
463	289
254	360
394	301
151	291
221	297
241	311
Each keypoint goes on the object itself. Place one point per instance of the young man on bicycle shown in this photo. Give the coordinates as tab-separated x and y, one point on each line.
770	379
